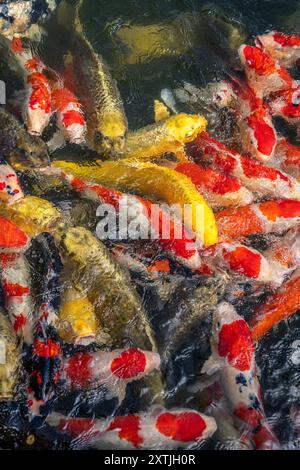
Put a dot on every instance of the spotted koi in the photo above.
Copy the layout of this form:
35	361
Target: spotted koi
157	429
288	157
260	179
10	188
233	359
284	48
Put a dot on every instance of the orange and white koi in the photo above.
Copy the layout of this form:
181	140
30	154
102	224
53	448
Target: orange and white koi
265	217
70	117
258	135
37	107
284	48
220	190
232	361
288	157
179	242
10	188
264	75
16	279
157	429
260	179
277	307
114	369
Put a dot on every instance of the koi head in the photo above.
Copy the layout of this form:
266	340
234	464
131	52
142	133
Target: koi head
287	105
262	136
283	47
256	59
30	151
223	94
110	136
10	188
232	338
185	128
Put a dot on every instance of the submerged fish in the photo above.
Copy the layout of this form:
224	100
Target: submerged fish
285	48
9	358
232	360
18	16
161	112
157	429
117	305
20	149
168	136
10	188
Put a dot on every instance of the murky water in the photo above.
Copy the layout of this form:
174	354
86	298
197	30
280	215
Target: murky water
151	45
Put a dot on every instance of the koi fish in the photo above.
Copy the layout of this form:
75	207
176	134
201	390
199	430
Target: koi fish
265	217
179	242
288	157
10	352
286	105
284	48
114	369
10	188
70	117
278	306
157	429
260	179
258	135
264	75
19	148
37	106
220	190
19	16
232	360
241	260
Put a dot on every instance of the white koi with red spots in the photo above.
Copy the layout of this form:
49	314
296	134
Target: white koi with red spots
258	135
287	156
37	106
70	117
264	75
157	429
262	180
10	188
232	359
114	369
284	48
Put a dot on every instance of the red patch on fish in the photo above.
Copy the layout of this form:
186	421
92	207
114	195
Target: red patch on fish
11	236
130	363
129	427
62	97
16	45
253	168
19	322
184	427
236	344
46	350
250	416
78	369
14	290
258	60
162	266
33	64
263	133
75	427
288	208
243	261
2	186
208	179
286	40
73	117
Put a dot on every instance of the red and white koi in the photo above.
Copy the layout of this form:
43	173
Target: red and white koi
240	260
70	117
16	279
260	179
264	75
179	242
265	217
10	188
278	306
157	429
258	135
284	48
220	190
288	157
37	107
232	361
114	369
